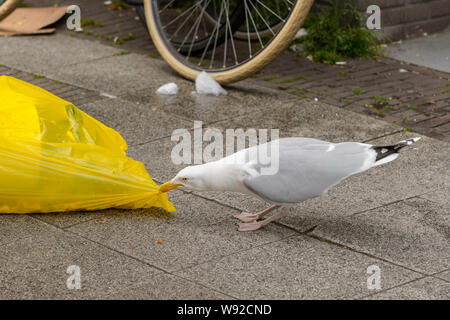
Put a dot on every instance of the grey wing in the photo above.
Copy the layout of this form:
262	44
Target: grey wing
309	169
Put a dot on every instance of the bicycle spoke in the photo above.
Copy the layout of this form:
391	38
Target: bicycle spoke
278	7
231	36
182	25
262	18
254	25
166	6
194	7
226	41
262	4
188	34
248	30
286	4
222	8
216	30
199	19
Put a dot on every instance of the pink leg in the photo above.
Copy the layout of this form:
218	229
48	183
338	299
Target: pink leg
255	225
251	217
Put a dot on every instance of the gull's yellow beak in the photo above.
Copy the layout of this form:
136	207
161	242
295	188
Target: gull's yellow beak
168	186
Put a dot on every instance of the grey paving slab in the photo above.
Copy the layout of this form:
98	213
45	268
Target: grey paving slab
166	287
296	268
413	233
307	118
117	75
191	210
215	214
135	122
190	236
443	275
14	227
441	196
35	267
67	219
208	109
39	54
301	217
251	86
430	51
428	288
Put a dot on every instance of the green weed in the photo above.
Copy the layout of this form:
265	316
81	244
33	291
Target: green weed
338	32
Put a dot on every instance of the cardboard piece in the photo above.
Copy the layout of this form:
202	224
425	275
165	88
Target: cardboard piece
31	20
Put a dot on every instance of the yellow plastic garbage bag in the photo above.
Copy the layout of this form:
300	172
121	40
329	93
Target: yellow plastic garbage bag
54	157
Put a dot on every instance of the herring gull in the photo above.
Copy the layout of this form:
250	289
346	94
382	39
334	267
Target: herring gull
306	168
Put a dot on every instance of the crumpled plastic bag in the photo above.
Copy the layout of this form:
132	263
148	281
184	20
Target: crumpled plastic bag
54	157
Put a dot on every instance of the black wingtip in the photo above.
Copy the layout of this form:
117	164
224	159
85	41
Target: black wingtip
383	152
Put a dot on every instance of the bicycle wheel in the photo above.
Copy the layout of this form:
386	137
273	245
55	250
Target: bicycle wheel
174	23
7	6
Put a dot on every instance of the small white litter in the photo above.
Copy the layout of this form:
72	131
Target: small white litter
300	33
107	3
204	84
341	63
402	70
168	89
104	94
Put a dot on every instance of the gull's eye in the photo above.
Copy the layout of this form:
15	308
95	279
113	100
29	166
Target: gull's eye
184	179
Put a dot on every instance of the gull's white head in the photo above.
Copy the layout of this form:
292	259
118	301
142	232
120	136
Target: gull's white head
193	178
211	176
